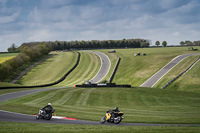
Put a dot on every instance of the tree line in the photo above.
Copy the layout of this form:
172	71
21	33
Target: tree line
27	54
94	44
190	43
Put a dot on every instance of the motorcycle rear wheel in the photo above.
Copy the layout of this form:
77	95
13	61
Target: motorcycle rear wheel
49	117
117	120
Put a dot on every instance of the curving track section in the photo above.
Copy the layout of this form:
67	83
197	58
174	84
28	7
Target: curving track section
157	76
105	67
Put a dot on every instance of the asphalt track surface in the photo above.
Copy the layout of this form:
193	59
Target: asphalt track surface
105	67
157	76
17	117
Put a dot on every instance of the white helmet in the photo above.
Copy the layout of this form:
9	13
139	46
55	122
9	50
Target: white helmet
49	103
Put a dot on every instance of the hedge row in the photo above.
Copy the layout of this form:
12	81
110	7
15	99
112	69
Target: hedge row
26	55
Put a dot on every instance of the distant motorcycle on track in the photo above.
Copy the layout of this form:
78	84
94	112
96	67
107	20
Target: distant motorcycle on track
44	115
112	117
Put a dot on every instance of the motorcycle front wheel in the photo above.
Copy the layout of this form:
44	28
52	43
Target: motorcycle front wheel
37	117
103	120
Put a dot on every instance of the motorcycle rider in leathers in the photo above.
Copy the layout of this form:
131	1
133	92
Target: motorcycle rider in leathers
114	111
48	109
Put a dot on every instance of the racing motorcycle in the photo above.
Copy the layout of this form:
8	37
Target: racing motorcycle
43	115
116	119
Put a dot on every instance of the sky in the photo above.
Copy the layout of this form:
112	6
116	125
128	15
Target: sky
67	20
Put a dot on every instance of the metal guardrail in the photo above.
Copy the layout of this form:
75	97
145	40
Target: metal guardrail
165	86
50	84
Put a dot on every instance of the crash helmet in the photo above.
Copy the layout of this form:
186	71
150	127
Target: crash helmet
49	104
116	108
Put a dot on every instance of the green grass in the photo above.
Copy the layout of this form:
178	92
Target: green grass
190	81
88	67
50	70
4	57
136	70
140	105
52	128
4	84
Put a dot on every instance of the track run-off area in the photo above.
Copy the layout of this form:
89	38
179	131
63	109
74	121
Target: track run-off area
104	69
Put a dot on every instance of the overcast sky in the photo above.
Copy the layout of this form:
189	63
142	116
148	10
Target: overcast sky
66	20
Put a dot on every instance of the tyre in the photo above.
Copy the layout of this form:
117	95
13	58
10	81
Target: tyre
49	117
103	120
37	117
117	120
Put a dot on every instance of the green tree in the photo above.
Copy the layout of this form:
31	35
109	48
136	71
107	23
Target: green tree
13	49
144	44
164	43
157	43
182	43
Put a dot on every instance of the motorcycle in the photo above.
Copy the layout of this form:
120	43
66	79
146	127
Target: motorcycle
43	115
116	119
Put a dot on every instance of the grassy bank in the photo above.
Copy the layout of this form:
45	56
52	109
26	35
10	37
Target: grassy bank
190	81
88	67
52	128
139	104
50	70
136	70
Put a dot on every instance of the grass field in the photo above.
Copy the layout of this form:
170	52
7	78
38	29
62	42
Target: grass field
50	70
88	67
4	57
5	84
139	104
190	81
136	70
52	128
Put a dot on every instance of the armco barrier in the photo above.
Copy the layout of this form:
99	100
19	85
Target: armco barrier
113	74
180	74
50	84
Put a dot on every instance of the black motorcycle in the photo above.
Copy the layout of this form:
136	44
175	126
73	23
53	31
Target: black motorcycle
109	117
44	114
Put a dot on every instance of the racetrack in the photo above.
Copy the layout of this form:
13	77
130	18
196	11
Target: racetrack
17	117
157	76
105	67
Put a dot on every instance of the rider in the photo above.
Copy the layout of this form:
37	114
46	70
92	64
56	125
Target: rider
48	109
114	111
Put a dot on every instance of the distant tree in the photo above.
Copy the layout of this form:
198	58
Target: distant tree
164	43
196	43
13	49
157	43
188	43
182	43
144	44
